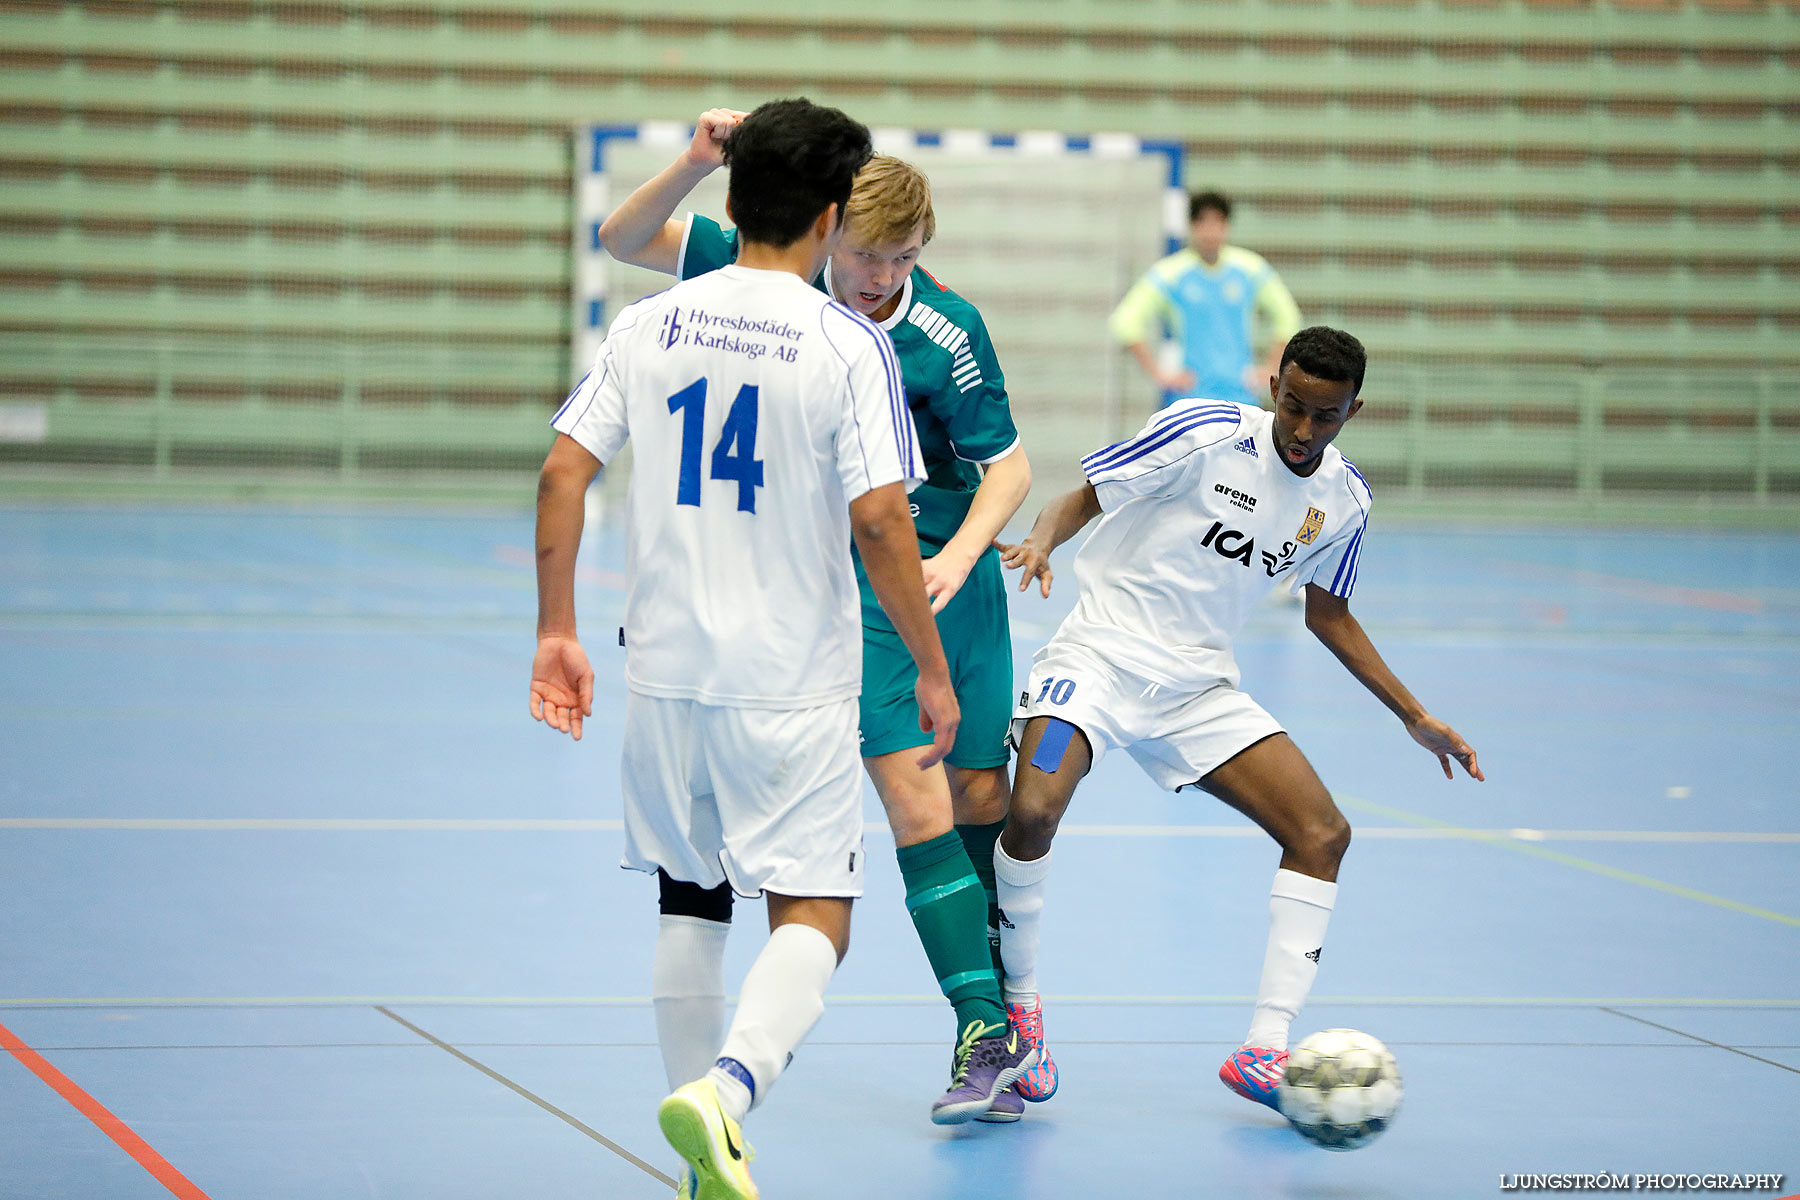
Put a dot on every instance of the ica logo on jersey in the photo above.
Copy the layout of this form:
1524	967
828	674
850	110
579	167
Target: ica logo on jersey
1234	544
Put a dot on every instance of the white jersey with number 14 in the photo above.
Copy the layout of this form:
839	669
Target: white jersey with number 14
758	409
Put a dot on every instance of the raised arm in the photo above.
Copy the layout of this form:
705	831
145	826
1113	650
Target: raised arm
1061	519
562	682
1330	620
640	231
885	538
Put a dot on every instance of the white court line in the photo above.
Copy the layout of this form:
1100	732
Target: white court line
902	1000
613	825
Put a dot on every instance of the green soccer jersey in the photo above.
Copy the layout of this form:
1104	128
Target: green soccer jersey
947	364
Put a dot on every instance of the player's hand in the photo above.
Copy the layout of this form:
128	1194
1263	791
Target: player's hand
1031	563
944	575
939	715
1183	381
1447	744
710	132
562	684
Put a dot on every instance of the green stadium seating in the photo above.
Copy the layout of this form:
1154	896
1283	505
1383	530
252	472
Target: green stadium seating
335	234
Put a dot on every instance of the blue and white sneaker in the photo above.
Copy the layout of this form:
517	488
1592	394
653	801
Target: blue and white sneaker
1255	1073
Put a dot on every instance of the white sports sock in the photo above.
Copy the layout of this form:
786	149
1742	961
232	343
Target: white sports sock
1020	886
1299	910
687	988
782	998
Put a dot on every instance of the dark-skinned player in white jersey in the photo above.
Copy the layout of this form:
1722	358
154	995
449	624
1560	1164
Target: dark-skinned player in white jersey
1203	512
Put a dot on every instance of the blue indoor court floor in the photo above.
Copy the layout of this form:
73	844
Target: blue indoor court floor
294	889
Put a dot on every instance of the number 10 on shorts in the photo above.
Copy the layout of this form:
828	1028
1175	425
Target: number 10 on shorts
1057	691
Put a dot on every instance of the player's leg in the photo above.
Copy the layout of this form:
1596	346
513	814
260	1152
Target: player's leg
944	895
978	801
948	907
672	831
787	801
780	1001
979	637
1272	783
1054	756
688	975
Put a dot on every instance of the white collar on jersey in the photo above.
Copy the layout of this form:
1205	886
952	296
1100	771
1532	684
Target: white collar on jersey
900	309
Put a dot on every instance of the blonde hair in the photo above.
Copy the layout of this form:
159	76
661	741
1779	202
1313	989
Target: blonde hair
889	199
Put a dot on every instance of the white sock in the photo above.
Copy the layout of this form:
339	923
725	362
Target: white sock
782	998
687	988
1020	886
1299	911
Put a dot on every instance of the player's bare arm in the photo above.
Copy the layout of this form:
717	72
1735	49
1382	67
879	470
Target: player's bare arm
641	231
1061	519
1004	486
1330	620
889	545
562	682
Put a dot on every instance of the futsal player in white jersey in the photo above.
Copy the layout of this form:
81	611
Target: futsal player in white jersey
1201	513
770	430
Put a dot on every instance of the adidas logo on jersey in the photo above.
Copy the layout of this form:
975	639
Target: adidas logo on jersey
1314	954
1248	446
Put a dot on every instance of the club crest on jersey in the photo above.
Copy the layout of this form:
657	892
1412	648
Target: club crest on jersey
1311	528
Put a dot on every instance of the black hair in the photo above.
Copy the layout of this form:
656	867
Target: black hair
1208	200
1327	353
790	159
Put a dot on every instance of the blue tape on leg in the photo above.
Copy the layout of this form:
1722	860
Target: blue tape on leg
1053	745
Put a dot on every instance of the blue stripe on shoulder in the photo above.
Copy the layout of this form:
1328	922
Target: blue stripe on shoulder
1161	434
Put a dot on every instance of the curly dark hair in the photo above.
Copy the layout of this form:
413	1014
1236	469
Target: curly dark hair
1327	353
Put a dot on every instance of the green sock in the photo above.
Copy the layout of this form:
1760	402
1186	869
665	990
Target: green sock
979	841
946	901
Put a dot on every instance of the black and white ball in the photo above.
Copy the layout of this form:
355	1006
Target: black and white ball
1342	1088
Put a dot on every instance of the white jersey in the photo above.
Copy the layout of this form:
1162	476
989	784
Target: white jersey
759	409
1201	519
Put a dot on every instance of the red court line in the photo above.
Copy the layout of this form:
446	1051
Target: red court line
96	1112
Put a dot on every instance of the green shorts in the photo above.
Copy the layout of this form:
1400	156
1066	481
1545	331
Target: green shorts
978	644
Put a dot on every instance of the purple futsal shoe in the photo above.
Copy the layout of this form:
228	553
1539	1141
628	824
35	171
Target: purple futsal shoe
988	1059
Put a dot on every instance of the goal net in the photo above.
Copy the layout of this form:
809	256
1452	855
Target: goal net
1040	231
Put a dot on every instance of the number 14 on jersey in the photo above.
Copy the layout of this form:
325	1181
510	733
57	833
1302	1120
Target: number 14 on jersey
733	459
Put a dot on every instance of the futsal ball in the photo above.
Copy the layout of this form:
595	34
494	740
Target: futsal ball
1341	1089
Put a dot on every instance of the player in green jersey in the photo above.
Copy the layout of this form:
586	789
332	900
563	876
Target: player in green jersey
945	819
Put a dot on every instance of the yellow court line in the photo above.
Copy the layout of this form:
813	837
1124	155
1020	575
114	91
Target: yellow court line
1569	860
877	1000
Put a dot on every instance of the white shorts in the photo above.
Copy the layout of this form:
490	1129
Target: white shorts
1178	737
765	799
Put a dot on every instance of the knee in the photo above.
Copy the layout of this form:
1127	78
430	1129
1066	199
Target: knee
1326	840
979	796
1030	828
